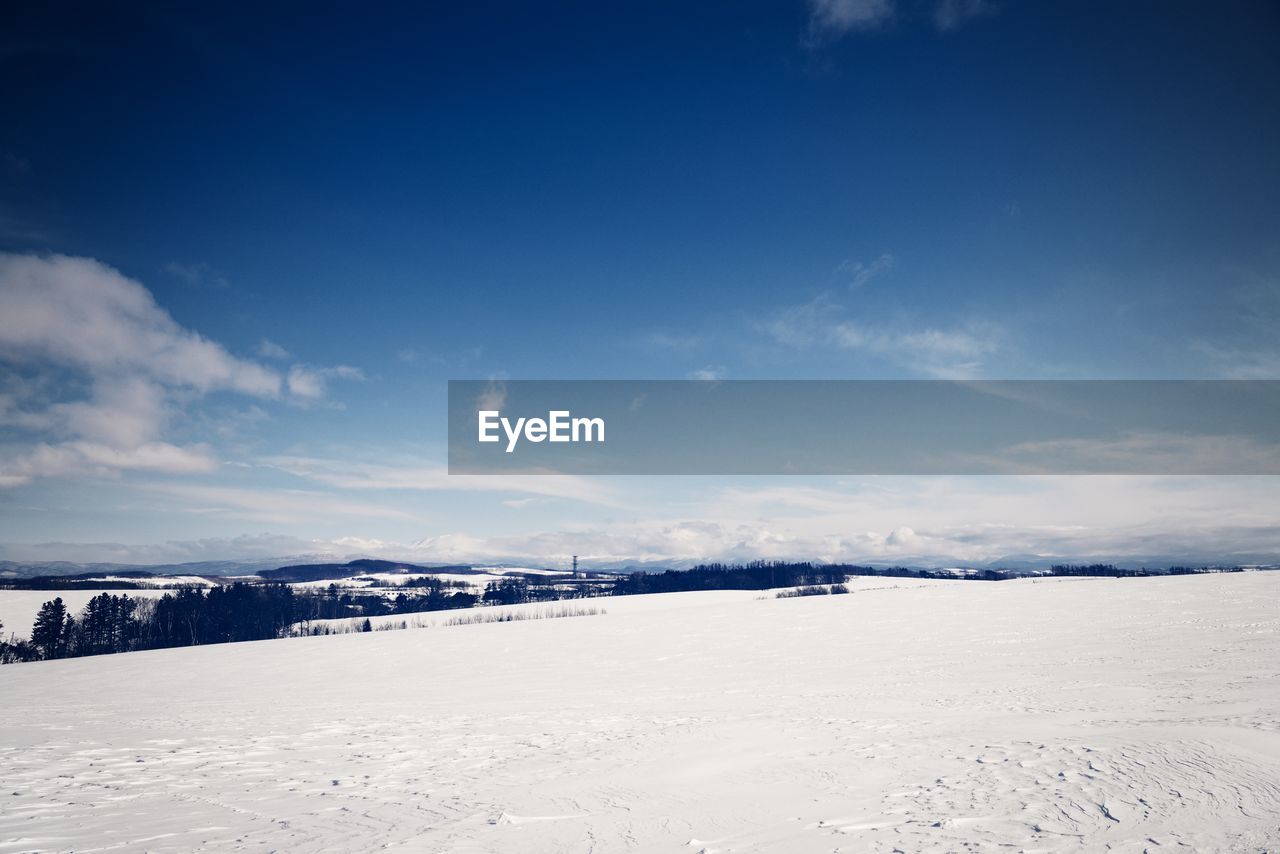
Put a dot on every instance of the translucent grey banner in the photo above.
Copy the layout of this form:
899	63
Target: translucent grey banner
820	427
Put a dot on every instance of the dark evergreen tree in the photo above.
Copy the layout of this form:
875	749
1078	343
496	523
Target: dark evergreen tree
509	591
49	633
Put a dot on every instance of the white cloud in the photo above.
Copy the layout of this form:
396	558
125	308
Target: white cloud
121	411
78	313
708	373
90	458
312	383
946	354
152	456
902	536
493	397
268	349
518	503
98	370
830	19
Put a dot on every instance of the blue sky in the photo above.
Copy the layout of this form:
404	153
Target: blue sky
293	225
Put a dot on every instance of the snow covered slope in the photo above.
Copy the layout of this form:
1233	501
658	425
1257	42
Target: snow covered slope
1071	714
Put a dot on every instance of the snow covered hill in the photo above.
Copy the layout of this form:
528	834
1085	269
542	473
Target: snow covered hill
1061	714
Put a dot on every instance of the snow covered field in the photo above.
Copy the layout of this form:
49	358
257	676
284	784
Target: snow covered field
1064	714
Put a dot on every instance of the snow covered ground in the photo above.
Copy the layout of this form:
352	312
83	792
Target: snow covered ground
1064	714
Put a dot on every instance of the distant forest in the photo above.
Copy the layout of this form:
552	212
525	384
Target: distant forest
244	611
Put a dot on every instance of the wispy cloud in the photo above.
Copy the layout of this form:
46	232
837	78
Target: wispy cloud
95	458
805	324
1238	363
1150	452
493	397
241	547
21	227
663	340
198	273
959	352
311	384
268	349
518	503
1245	346
276	506
831	19
861	273
423	476
708	373
455	360
950	14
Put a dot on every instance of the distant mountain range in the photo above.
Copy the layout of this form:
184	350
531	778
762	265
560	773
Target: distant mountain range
316	566
29	569
361	566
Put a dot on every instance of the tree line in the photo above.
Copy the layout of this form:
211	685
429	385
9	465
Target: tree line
764	575
241	611
186	616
